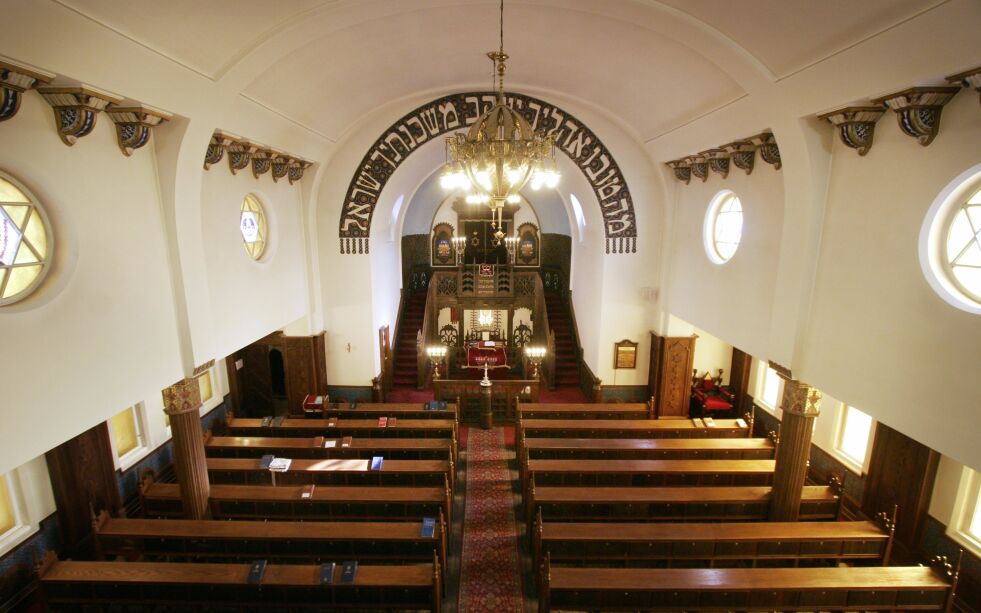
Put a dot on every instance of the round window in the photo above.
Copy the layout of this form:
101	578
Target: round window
723	227
950	242
252	225
25	241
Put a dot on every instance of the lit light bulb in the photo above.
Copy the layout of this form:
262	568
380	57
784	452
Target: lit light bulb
514	199
513	175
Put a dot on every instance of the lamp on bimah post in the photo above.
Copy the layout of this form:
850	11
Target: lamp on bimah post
486	412
436	354
535	355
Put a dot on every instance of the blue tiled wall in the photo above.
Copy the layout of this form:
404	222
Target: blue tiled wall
17	567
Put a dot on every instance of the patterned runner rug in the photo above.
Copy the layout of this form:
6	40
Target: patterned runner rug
490	571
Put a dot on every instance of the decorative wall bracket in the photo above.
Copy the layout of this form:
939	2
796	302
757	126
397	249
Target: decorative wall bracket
918	110
216	148
767	146
743	154
296	169
280	165
133	124
76	109
682	170
856	125
15	79
969	78
261	162
718	161
699	166
239	155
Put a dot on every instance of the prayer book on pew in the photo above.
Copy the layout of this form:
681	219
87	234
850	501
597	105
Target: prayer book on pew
428	527
330	443
332	422
266	460
327	573
256	571
346	441
709	422
266	421
278	422
376	462
352	404
698	423
382	422
349	571
307	491
435	405
741	423
280	465
393	421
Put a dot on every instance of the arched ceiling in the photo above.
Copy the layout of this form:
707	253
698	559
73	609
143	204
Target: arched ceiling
653	64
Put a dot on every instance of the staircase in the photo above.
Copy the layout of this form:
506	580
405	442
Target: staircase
413	309
566	359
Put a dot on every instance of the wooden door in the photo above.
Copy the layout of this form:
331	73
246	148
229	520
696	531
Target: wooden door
674	386
256	381
300	376
654	367
739	376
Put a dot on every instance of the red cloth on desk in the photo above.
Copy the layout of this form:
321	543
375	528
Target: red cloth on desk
494	357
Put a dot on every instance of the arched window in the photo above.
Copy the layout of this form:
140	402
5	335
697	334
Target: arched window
25	241
252	224
964	247
723	227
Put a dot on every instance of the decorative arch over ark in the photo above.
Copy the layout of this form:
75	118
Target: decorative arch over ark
456	112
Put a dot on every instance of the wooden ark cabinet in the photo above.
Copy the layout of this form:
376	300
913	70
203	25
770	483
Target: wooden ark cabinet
275	368
669	378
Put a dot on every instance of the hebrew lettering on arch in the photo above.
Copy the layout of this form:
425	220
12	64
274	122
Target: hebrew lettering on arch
592	174
368	182
619	226
431	121
574	148
448	109
376	155
413	122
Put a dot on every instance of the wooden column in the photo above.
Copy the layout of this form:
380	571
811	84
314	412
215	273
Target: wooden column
182	402
486	411
801	404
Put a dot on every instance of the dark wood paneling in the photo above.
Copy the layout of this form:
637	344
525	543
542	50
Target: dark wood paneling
83	478
739	376
654	366
901	472
256	380
674	379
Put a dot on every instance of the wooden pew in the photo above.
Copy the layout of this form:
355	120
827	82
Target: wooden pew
330	503
374	410
247	471
185	540
714	545
747	589
357	428
175	586
316	447
647	473
628	428
652	504
634	410
649	449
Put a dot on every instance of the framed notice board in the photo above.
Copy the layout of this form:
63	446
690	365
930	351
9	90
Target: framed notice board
625	354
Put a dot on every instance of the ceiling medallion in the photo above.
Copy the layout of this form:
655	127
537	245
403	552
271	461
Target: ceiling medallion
500	154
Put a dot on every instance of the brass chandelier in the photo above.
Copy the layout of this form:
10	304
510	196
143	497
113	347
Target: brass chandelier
500	154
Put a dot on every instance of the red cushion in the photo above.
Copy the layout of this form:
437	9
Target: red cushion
708	384
714	403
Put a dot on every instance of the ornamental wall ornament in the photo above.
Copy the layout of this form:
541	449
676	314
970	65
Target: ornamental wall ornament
216	148
261	162
743	154
239	155
133	124
682	170
969	78
766	143
15	79
280	165
718	161
458	111
855	125
699	166
76	109
918	110
296	169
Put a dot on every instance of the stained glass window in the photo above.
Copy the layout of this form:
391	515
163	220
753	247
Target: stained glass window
964	247
8	519
205	385
853	434
252	225
125	428
726	219
25	241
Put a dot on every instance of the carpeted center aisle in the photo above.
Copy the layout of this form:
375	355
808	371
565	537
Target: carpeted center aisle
490	570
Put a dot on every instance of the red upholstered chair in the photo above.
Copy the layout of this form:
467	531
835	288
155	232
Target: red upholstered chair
709	397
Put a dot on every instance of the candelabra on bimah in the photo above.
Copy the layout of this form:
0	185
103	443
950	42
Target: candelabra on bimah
535	355
460	247
436	354
511	243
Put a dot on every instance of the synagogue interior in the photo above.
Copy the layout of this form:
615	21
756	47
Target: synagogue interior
504	306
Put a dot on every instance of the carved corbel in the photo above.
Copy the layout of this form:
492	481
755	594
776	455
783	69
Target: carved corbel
766	144
855	125
216	148
682	170
239	155
699	166
296	169
76	109
133	124
15	79
918	110
261	162
970	78
280	165
743	154
718	161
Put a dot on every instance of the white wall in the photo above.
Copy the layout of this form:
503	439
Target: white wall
711	354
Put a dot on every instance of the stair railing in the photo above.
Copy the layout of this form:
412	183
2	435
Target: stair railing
542	333
425	336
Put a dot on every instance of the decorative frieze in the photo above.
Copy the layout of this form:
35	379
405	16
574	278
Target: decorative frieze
15	79
718	161
216	148
969	78
766	144
200	370
682	170
742	153
242	153
699	166
133	124
261	162
76	109
918	110
855	125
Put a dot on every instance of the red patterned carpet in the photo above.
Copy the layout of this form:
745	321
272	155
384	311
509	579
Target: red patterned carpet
490	571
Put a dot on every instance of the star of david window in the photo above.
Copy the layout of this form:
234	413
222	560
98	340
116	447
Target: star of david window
252	225
25	241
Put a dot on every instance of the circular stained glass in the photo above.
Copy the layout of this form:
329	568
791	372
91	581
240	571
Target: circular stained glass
25	241
252	225
723	227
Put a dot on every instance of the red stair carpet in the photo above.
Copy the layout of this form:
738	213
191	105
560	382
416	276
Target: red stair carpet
490	569
413	311
566	365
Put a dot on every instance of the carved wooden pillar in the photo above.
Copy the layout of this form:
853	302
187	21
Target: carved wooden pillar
182	402
486	410
801	404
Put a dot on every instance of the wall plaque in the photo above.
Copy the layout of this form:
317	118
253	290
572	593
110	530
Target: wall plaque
625	354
